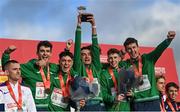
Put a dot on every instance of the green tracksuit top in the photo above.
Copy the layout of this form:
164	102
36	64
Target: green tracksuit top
95	65
150	92
31	77
109	93
55	103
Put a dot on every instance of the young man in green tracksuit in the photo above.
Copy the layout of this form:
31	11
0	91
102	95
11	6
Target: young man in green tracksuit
37	73
146	96
60	94
114	101
87	63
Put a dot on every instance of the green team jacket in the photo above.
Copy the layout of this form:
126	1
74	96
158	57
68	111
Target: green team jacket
148	61
109	98
31	75
56	84
78	64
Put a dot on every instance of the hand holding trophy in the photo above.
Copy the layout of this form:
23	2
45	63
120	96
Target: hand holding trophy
85	17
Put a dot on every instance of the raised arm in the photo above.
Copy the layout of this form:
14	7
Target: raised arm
95	46
6	54
93	24
77	47
155	54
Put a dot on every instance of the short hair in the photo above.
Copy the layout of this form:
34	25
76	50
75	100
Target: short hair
89	47
6	65
86	47
66	53
44	43
171	84
130	40
160	77
113	51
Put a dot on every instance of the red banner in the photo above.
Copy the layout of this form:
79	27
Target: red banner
26	49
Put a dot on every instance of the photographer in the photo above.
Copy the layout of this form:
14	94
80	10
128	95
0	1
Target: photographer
114	98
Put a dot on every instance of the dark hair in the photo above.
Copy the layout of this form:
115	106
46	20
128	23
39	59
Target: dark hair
130	40
160	77
171	84
113	51
86	47
66	53
44	43
89	48
6	65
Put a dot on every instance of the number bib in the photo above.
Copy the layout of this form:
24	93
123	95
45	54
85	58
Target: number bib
12	107
40	91
57	98
145	86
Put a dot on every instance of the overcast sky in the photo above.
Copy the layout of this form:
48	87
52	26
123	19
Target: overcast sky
55	20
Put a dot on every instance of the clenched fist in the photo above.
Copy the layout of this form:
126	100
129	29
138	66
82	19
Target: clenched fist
69	44
171	34
10	49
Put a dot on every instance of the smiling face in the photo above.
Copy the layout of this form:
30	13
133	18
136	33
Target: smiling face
114	60
172	93
44	53
86	56
66	63
133	50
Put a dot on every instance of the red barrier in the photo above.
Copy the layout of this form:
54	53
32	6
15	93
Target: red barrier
26	49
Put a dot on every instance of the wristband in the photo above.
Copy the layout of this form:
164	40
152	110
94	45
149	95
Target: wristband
93	26
79	24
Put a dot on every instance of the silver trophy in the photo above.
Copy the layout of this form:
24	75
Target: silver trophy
82	11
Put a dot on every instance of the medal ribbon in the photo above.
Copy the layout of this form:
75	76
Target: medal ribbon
171	106
113	78
137	71
162	105
45	81
90	75
64	87
19	102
